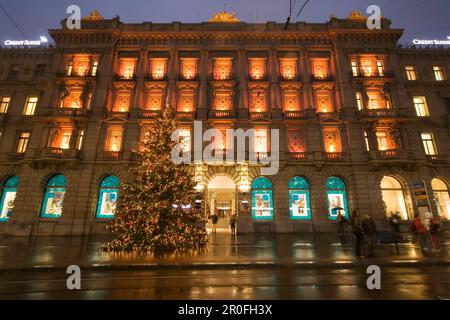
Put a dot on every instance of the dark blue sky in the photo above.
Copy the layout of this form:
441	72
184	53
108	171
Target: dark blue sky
420	18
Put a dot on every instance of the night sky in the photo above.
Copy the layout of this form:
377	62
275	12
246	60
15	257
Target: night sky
424	19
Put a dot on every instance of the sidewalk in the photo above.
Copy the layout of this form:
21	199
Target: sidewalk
223	252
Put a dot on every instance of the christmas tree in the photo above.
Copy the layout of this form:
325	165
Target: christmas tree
156	209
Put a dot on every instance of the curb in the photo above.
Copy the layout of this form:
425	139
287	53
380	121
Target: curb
231	266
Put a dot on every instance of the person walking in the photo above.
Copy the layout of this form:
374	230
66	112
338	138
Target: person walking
435	225
395	222
357	231
371	233
233	224
341	232
419	230
215	219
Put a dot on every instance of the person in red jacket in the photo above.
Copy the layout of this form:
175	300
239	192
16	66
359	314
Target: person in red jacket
419	229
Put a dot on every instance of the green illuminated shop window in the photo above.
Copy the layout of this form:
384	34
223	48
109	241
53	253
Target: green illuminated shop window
299	200
8	196
262	199
107	198
54	197
337	198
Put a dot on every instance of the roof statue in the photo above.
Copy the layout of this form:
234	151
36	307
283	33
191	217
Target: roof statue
356	15
94	15
224	17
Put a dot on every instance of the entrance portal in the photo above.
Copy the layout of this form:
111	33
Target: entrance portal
222	201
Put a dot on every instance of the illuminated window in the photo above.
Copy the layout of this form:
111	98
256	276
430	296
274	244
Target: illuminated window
65	139
441	197
69	68
262	199
8	197
367	68
420	104
439	73
261	140
288	68
336	198
382	140
114	139
291	101
22	143
80	139
375	100
380	68
355	72
4	104
189	67
186	101
72	98
296	140
107	197
223	68
332	140
258	101
55	190
359	102
411	73
154	100
429	143
366	140
299	200
127	68
257	68
223	100
320	68
158	68
94	68
393	196
30	105
122	102
324	102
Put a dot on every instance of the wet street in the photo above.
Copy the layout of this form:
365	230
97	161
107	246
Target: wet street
256	267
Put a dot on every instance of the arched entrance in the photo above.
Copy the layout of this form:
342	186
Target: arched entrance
393	195
222	200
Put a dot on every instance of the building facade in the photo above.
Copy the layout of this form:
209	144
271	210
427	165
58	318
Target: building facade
363	123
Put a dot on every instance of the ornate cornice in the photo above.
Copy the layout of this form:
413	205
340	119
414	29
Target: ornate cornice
322	85
258	85
187	85
123	85
291	85
162	85
223	84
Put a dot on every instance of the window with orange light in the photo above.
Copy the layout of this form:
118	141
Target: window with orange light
73	99
261	140
324	101
114	139
122	103
186	101
257	68
223	100
154	100
290	101
385	139
223	68
62	139
189	67
158	68
320	68
288	68
296	140
332	140
368	67
127	68
258	101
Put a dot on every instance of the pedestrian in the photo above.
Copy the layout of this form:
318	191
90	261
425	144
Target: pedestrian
371	233
357	231
419	230
395	222
341	231
233	224
435	225
215	219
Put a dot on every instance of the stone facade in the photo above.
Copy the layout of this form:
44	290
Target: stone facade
338	92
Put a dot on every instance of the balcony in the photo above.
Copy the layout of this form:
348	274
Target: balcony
222	77
185	115
15	156
252	77
333	156
111	155
65	112
151	78
149	114
294	115
57	153
222	114
118	115
260	116
394	154
373	75
378	113
328	115
120	78
438	158
297	155
87	75
322	78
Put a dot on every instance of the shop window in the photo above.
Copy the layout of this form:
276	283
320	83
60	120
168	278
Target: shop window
337	198
441	197
393	197
262	199
107	197
8	196
55	190
299	199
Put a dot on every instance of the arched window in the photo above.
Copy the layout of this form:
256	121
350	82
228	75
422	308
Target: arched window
107	197
54	197
337	198
8	195
441	197
393	197
299	201
262	199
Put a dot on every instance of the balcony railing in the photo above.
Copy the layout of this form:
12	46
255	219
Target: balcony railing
222	114
57	153
327	115
393	154
121	77
182	77
382	112
334	156
111	155
255	116
327	77
118	115
301	114
219	77
76	74
252	77
151	77
374	74
65	112
149	114
15	156
185	115
297	155
438	158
